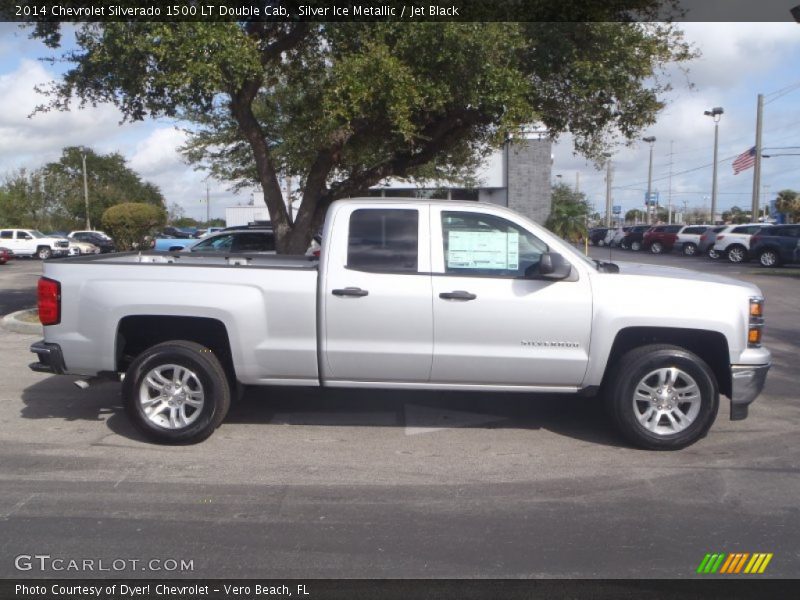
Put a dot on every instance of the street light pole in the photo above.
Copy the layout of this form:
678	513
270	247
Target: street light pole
715	113
86	191
650	139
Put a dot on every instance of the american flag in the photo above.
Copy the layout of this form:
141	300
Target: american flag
744	161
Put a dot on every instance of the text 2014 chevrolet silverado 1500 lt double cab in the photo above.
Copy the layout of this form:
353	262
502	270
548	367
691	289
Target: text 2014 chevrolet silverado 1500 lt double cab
411	295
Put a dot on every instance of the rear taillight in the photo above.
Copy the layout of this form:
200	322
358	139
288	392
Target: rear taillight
49	295
719	237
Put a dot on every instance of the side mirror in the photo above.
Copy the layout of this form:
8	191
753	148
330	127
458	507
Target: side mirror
553	266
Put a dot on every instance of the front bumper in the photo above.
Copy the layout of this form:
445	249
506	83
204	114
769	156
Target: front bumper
51	359
747	381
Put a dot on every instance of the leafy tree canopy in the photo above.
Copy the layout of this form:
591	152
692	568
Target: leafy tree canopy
130	222
340	107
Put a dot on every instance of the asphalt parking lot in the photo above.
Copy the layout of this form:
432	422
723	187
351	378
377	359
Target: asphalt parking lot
300	483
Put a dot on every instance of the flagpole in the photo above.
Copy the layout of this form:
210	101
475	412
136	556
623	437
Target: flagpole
757	164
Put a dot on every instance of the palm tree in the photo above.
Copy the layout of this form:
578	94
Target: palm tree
568	213
788	203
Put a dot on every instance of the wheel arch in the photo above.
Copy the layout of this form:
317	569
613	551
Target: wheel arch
711	346
137	333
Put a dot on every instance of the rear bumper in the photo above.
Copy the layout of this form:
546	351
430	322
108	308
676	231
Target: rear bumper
747	383
51	360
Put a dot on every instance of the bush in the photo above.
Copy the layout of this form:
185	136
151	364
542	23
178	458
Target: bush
131	222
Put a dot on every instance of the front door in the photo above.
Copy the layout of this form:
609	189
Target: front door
378	323
494	322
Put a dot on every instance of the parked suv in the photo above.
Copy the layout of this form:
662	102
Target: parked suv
775	245
597	236
689	239
634	239
29	242
707	240
734	241
661	238
236	241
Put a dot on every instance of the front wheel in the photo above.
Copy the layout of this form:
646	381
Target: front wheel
44	253
636	246
176	392
657	248
662	397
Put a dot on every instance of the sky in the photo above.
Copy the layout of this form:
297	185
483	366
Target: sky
738	61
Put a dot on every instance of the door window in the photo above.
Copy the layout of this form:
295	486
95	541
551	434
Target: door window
254	241
220	243
486	245
384	240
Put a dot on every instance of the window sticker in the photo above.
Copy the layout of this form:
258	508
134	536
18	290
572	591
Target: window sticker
483	250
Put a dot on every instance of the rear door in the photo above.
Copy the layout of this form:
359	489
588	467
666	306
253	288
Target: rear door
376	295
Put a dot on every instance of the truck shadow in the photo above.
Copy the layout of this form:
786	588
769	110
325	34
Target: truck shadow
571	416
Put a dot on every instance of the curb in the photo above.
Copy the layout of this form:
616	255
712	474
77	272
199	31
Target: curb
12	322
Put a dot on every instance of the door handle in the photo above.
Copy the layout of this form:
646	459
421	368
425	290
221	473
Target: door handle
350	291
457	295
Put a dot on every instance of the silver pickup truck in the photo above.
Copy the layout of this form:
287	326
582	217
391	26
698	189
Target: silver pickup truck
414	295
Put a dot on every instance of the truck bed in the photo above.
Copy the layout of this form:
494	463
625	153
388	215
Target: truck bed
200	259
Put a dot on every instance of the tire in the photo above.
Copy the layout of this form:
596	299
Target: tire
43	252
689	249
601	243
737	254
713	254
623	245
657	248
640	410
194	409
769	259
636	246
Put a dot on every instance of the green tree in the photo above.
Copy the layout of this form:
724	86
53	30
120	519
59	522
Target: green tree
788	203
110	181
340	107
635	216
24	200
130	222
568	213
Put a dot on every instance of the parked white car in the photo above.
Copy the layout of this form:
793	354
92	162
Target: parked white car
689	239
734	241
77	248
30	242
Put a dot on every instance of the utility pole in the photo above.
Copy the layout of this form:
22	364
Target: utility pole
716	114
608	193
757	164
86	191
649	140
208	205
669	189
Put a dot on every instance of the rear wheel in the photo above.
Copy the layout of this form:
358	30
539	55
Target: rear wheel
662	397
769	258
44	252
657	248
690	249
713	254
176	392
737	254
636	246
